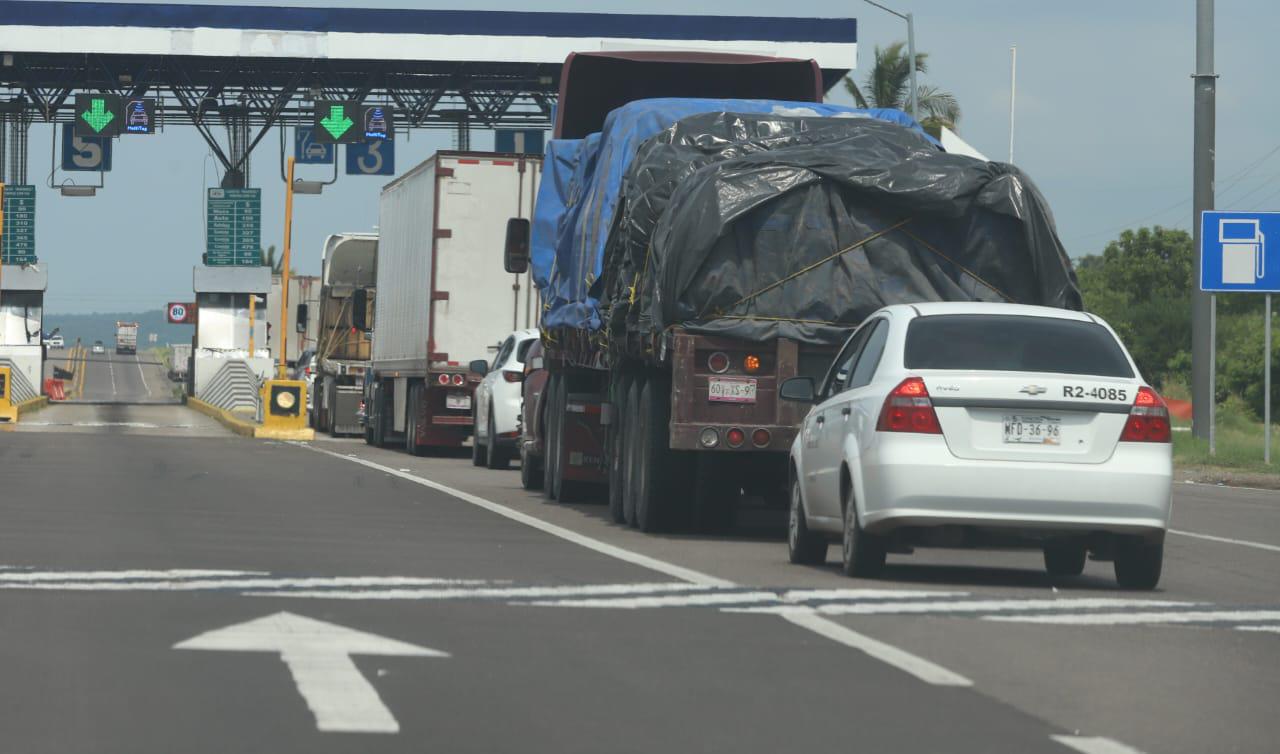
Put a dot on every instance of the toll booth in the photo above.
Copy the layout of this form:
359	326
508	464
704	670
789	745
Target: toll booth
22	290
232	352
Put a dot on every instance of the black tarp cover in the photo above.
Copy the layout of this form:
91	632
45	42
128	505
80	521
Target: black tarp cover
761	226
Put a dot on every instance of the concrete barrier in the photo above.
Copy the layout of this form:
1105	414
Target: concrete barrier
247	427
31	406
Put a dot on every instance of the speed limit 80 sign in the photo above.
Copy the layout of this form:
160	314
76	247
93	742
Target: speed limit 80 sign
181	313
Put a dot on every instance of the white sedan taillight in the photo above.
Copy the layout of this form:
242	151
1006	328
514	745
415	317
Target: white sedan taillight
908	409
1148	419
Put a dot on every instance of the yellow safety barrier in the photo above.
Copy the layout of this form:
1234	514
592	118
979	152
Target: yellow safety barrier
8	411
284	411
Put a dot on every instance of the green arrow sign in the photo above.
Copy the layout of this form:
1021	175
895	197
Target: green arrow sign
98	116
337	123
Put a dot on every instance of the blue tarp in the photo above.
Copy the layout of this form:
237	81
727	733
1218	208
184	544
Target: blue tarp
581	182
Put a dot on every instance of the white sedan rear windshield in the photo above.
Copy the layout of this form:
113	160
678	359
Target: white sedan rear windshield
1011	343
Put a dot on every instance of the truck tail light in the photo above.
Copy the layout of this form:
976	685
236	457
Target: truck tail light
443	379
908	409
718	362
459	380
510	376
735	437
1148	419
709	438
751	364
760	438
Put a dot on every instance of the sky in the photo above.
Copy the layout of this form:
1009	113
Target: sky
1103	127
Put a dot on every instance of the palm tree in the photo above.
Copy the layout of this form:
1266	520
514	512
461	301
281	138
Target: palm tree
277	265
888	84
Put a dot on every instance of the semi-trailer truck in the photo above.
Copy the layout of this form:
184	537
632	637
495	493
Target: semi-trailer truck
126	337
693	253
441	300
343	344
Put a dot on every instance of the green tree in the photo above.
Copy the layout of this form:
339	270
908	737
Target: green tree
1141	285
888	84
269	259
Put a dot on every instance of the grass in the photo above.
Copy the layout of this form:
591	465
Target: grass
1238	438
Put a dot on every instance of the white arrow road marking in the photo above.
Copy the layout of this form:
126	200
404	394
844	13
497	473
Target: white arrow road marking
319	658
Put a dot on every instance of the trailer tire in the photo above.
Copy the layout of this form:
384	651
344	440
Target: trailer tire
618	450
530	469
656	463
631	451
715	493
499	457
379	415
550	448
411	445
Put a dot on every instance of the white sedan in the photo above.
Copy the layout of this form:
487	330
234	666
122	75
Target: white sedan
496	414
967	424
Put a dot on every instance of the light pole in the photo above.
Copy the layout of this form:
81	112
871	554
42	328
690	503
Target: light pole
1203	305
911	47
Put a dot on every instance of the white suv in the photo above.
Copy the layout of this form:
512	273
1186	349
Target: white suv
972	424
496	415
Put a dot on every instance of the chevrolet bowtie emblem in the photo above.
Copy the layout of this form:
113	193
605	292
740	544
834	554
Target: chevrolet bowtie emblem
1033	390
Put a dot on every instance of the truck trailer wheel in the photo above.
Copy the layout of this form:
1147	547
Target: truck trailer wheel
530	469
380	416
631	451
411	445
656	465
550	448
617	449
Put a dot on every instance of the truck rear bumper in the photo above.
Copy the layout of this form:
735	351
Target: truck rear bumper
686	436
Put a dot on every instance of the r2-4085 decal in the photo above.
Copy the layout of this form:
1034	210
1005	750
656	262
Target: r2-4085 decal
1097	393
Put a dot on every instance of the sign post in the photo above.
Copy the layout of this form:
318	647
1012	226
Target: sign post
1234	259
284	274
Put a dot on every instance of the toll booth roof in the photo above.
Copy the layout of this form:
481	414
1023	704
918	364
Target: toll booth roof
361	33
27	277
231	279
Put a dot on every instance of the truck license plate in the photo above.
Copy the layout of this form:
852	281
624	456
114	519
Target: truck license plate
728	390
460	401
1033	430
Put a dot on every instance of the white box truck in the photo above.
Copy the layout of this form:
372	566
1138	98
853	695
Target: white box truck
349	267
126	337
442	298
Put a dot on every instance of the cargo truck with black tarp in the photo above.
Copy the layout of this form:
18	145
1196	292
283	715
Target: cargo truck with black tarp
694	251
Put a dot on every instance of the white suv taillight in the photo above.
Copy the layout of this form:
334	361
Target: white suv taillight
908	409
1148	419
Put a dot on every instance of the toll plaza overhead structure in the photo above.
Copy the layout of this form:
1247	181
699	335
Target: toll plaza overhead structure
251	67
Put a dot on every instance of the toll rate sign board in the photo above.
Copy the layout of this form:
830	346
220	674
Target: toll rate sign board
233	227
18	244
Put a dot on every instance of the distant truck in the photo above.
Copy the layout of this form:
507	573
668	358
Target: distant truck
441	301
343	346
179	361
127	337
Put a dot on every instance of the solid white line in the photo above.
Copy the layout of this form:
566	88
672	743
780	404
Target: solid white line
513	593
1226	540
196	585
613	551
145	386
1095	745
111	367
676	600
818	595
1131	619
8	575
984	606
1266	629
886	653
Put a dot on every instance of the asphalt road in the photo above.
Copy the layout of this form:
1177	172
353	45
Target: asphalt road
125	378
175	588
